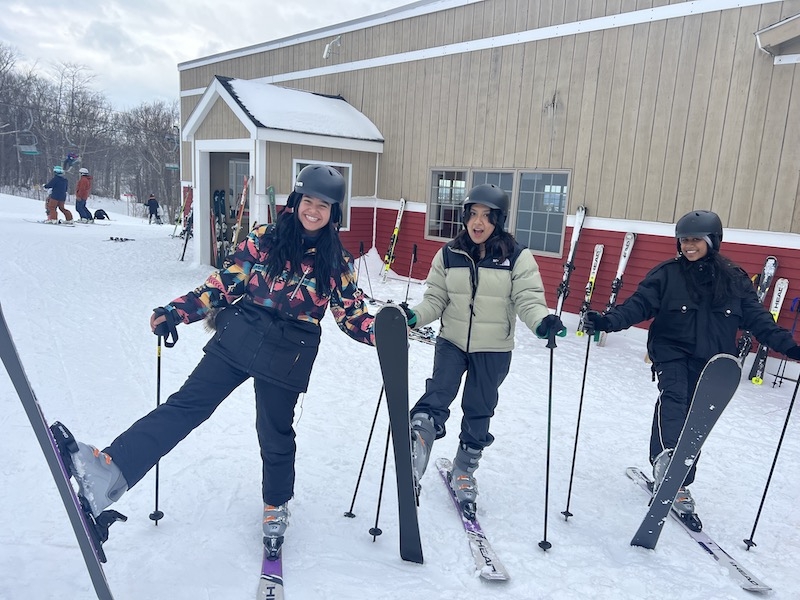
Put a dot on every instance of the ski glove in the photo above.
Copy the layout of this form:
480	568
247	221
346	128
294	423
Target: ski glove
548	324
793	353
595	321
411	316
168	327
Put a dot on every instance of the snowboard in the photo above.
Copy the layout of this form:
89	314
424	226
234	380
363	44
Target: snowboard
715	388
90	532
391	340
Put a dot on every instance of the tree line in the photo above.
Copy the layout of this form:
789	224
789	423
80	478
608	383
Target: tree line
55	117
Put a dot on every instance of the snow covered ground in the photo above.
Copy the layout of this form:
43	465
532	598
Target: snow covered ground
78	306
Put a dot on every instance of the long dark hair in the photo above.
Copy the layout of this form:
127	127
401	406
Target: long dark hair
288	245
500	244
726	279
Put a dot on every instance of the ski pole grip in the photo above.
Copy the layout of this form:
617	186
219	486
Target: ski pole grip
551	338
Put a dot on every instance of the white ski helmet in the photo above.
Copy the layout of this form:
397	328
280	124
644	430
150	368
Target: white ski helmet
83	171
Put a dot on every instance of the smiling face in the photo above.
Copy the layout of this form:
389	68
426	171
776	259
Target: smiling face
313	214
693	248
479	227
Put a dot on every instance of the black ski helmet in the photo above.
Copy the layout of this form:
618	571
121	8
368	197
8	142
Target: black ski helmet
489	195
321	182
702	224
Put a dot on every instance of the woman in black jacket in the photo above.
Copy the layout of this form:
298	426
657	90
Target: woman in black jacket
698	301
266	303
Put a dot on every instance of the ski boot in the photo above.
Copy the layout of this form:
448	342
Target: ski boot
683	504
423	434
462	479
276	518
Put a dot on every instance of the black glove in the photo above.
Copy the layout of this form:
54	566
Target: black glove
551	323
169	327
595	321
793	353
411	316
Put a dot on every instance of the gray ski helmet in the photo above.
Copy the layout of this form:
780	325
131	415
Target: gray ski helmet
702	224
489	195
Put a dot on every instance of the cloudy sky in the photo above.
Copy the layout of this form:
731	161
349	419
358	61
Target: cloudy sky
133	48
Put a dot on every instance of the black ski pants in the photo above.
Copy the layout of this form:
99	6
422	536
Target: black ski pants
677	380
485	372
139	448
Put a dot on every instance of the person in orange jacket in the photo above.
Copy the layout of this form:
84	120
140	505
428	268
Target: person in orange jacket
82	194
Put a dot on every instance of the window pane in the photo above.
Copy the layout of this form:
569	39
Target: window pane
448	189
540	210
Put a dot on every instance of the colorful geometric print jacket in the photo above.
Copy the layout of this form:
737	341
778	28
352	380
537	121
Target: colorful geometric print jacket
288	296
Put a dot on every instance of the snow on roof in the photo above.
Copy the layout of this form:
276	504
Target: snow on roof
275	107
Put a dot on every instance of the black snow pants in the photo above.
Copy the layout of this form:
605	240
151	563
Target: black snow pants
139	448
485	372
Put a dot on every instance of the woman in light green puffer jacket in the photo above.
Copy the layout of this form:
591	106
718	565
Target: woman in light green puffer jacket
477	285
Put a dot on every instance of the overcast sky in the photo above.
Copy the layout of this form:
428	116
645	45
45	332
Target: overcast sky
133	47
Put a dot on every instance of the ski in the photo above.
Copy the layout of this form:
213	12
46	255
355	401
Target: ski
760	363
715	388
763	282
90	532
392	345
743	577
780	374
388	258
273	210
616	285
587	297
563	288
270	586
426	335
237	228
44	222
487	565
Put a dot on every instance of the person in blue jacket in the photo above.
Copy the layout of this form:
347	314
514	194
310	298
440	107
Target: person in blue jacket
698	301
266	303
58	195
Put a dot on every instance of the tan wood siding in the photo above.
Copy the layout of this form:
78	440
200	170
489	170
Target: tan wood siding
221	124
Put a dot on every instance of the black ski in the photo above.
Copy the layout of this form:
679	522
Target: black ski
563	288
763	281
90	532
715	388
392	343
743	577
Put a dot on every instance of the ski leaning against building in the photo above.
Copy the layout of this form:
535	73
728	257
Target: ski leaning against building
698	301
477	285
266	304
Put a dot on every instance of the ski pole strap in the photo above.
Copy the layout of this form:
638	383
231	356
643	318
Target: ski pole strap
169	328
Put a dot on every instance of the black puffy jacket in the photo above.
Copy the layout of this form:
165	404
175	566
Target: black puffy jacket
687	325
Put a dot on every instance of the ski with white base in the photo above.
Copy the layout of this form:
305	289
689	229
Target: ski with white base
586	305
616	285
487	565
762	282
743	577
563	288
44	222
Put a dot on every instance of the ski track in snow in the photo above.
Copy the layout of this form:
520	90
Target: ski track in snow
78	307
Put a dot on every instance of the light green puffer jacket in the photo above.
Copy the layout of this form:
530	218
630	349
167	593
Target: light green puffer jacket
496	293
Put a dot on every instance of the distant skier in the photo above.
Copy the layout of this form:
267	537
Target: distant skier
82	191
58	195
271	295
152	205
698	301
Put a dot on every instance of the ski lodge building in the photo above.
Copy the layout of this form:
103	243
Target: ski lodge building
639	110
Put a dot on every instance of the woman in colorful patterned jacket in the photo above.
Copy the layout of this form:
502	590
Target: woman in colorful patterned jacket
266	301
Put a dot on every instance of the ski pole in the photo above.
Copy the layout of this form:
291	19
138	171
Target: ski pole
350	513
410	267
551	344
376	531
366	270
749	543
781	371
157	514
566	512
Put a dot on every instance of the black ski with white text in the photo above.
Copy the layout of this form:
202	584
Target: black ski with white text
715	388
487	564
90	531
743	577
392	344
762	282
